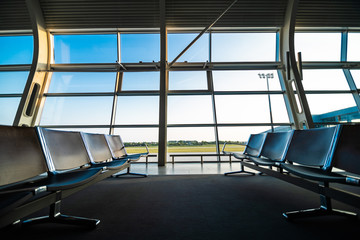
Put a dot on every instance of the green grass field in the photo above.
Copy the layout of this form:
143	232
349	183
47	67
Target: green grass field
187	149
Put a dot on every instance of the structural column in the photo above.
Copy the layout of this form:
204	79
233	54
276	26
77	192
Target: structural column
32	101
291	72
162	149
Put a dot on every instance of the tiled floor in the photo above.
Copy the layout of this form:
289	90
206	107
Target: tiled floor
185	168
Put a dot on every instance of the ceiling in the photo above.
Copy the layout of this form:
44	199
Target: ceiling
135	14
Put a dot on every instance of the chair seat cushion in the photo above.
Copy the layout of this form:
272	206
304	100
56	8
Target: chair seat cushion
240	155
113	165
134	157
263	161
313	173
71	179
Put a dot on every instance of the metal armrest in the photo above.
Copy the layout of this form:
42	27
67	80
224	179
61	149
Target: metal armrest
147	149
223	148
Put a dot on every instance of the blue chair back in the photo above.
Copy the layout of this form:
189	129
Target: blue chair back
312	147
21	156
275	145
346	155
255	143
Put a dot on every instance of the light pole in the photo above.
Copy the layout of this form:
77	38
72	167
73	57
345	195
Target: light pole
267	76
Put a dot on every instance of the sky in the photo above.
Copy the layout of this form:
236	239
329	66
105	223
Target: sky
226	47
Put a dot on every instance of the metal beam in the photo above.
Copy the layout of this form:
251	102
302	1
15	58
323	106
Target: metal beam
162	147
201	33
32	99
216	130
291	79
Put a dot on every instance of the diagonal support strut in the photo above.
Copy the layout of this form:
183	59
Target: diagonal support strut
202	32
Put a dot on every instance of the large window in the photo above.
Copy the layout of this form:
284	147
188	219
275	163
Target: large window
228	98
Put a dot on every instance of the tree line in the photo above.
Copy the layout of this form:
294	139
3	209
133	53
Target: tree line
181	143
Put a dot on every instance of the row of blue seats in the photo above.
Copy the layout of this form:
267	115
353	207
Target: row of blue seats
322	155
40	166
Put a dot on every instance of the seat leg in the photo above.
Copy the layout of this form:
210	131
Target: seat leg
129	173
324	210
56	217
242	170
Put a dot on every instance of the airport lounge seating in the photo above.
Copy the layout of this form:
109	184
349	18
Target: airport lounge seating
313	159
38	168
274	148
252	148
118	151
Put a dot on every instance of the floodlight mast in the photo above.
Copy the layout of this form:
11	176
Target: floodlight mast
267	76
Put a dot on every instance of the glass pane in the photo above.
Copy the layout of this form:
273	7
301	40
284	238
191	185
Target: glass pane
325	106
13	82
189	109
245	80
242	109
134	139
137	110
356	76
198	52
278	108
192	80
77	110
191	140
85	48
135	81
230	47
353	53
16	49
238	135
138	135
329	79
8	109
318	46
140	47
72	82
86	130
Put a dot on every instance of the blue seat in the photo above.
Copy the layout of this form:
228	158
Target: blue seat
27	175
21	161
252	148
118	151
100	153
273	150
311	155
